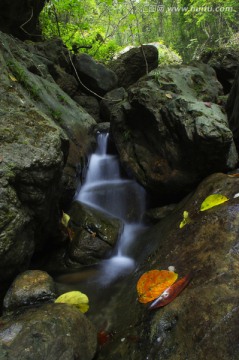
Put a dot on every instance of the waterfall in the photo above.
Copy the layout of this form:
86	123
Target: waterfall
105	189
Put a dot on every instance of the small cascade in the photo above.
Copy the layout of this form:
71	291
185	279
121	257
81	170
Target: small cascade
106	190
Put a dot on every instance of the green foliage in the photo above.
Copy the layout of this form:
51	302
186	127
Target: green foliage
168	56
102	27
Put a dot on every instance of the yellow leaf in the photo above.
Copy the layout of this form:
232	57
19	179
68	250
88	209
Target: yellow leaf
75	298
65	219
213	200
153	283
186	219
12	77
169	96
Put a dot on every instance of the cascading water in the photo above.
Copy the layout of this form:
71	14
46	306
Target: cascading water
106	190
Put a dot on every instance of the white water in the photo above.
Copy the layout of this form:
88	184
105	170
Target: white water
106	190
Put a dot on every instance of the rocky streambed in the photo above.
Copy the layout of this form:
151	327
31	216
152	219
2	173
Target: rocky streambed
172	134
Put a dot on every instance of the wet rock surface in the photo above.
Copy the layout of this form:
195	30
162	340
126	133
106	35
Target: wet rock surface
171	133
95	234
202	321
30	288
33	326
51	331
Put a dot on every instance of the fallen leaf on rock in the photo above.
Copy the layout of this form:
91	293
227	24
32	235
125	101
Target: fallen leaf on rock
75	298
152	283
233	175
65	219
186	219
169	96
171	292
12	77
104	337
213	200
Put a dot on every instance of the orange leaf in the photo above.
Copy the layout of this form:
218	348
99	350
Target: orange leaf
233	175
153	283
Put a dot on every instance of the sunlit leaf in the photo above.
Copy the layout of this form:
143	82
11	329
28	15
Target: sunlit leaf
186	219
213	200
75	298
152	283
65	219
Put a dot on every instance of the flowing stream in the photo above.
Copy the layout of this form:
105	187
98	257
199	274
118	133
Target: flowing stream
105	189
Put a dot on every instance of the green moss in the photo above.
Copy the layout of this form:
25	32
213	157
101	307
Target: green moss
21	76
126	135
56	114
62	99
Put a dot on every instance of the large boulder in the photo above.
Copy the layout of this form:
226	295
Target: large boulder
171	133
45	74
202	322
135	63
31	167
44	139
20	19
233	110
225	62
94	76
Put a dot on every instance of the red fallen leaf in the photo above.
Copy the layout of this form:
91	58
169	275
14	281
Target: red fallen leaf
104	337
171	292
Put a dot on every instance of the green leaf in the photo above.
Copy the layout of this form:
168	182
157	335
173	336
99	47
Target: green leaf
186	219
65	219
213	200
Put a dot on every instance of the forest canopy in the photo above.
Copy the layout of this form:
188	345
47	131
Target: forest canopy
102	28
